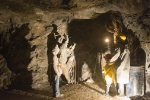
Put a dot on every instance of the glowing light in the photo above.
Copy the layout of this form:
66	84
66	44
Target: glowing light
106	40
123	37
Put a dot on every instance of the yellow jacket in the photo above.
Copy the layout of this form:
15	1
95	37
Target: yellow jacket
109	73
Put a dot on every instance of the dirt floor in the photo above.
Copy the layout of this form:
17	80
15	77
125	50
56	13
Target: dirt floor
82	91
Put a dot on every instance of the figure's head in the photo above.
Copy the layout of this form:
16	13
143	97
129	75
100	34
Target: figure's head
61	39
108	57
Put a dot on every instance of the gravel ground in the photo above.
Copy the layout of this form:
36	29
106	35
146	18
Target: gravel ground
83	91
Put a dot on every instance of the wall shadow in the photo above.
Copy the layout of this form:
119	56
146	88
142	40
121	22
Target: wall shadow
51	42
16	50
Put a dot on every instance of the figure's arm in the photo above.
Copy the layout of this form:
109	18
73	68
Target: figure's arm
123	54
65	44
67	40
116	56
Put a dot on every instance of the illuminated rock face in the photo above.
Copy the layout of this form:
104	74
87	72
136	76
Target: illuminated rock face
26	28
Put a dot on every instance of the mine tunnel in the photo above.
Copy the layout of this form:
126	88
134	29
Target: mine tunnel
90	35
98	40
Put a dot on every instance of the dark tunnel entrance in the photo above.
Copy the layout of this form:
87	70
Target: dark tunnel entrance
90	35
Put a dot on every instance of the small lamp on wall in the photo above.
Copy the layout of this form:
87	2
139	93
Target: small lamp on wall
106	40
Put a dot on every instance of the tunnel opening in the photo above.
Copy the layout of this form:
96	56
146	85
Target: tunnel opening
90	35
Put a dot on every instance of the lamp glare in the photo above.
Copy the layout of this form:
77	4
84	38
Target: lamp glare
107	40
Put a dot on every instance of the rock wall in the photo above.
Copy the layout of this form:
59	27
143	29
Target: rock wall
37	37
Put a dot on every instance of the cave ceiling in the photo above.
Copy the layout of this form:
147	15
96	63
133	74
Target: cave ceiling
14	13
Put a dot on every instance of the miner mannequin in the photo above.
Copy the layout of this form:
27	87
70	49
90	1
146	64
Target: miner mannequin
64	57
57	72
123	70
109	71
63	41
71	62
